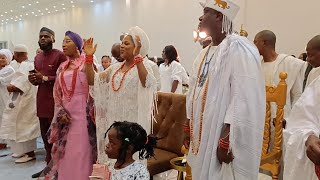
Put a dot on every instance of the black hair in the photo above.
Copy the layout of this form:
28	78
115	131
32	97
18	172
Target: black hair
304	56
132	134
171	53
105	56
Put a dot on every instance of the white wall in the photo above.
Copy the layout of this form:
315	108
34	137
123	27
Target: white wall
170	22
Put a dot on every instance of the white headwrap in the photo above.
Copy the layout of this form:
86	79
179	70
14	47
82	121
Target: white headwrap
7	53
229	10
145	43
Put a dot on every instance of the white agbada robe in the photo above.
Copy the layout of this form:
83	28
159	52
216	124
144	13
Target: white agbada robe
20	125
314	73
170	73
294	68
5	78
304	120
236	96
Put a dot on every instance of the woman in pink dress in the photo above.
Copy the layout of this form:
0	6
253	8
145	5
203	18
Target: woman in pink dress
71	129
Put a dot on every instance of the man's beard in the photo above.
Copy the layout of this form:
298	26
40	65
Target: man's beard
46	47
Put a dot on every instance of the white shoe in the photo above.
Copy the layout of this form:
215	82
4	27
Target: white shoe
14	155
25	159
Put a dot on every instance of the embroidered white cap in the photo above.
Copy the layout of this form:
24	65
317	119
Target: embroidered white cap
226	7
20	48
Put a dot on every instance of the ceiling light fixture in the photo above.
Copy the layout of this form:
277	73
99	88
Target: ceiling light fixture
46	9
91	1
62	4
11	10
32	12
54	6
29	4
27	14
6	12
64	8
37	2
39	10
71	2
73	6
23	7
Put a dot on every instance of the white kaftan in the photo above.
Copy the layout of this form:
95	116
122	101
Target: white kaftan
20	125
170	73
294	68
304	120
132	102
236	96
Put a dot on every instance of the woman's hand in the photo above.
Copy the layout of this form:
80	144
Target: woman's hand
88	48
137	48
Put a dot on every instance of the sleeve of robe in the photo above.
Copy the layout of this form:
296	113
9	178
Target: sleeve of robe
176	72
156	73
304	120
21	81
246	110
296	90
6	75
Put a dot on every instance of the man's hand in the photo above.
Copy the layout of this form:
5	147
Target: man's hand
313	149
35	78
224	156
12	88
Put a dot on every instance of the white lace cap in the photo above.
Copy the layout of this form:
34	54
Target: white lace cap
145	43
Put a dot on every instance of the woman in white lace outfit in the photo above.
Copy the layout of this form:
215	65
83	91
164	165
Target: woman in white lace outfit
124	91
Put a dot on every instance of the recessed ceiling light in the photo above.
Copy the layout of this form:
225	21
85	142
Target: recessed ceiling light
23	7
20	19
71	2
15	20
46	9
41	13
48	12
6	22
29	4
32	12
6	12
54	6
35	15
91	1
11	18
7	19
37	2
64	8
27	14
62	4
11	10
56	10
73	6
39	10
1	15
20	15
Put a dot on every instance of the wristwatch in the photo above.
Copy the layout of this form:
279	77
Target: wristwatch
45	78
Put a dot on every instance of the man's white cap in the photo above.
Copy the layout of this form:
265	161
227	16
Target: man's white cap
20	48
228	8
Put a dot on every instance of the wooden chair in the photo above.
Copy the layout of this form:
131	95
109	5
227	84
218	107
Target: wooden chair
271	158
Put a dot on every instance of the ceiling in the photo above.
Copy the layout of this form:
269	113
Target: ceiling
12	11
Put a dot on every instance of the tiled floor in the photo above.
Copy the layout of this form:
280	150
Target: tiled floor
9	170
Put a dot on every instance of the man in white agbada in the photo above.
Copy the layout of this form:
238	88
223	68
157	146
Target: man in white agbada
312	66
6	73
20	125
273	64
301	136
303	128
226	101
124	91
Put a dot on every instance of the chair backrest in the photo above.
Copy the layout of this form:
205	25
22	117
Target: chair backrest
170	117
278	96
